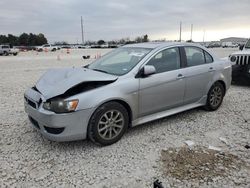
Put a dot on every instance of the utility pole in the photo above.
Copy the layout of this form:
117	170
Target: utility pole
180	30
191	38
82	31
204	36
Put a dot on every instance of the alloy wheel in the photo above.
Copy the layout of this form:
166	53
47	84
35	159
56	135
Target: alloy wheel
110	124
216	96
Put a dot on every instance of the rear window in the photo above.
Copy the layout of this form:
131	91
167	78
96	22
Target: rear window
4	47
208	57
195	56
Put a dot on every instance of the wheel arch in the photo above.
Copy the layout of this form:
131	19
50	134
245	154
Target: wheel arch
223	84
120	101
128	108
92	130
123	103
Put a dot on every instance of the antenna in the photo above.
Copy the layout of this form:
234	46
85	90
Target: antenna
82	31
180	30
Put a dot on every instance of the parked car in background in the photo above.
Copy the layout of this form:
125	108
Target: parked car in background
57	47
6	50
26	48
105	45
66	46
129	86
214	45
14	51
241	64
47	48
229	45
79	46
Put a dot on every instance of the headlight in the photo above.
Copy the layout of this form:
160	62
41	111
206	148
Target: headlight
61	106
233	58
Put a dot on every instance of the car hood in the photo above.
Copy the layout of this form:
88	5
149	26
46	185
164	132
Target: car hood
56	82
243	52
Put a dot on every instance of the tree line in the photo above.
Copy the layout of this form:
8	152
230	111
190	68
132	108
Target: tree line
39	39
127	40
24	39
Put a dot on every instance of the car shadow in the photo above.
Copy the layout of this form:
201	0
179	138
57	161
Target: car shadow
162	121
132	131
241	82
87	145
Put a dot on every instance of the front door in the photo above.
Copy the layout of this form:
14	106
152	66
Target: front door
164	89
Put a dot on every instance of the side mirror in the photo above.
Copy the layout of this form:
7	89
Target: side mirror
241	47
148	70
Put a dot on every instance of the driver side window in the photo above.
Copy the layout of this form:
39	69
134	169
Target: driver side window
166	60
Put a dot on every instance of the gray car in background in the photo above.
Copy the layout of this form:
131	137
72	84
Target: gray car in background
129	86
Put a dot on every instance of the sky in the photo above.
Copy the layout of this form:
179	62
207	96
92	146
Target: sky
59	20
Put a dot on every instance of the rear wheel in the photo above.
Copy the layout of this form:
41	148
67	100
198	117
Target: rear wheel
108	124
215	97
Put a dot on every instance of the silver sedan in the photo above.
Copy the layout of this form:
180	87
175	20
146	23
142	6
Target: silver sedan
129	86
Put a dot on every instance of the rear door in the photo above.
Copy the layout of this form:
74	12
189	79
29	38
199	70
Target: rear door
199	73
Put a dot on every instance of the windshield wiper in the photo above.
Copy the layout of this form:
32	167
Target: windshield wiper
100	70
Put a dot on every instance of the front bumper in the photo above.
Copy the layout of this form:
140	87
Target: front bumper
241	74
57	127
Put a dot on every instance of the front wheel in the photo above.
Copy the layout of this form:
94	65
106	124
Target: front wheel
108	124
215	97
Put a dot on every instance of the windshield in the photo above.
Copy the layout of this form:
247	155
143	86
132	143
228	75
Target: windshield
119	61
247	44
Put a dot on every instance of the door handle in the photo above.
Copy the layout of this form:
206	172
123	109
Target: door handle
180	76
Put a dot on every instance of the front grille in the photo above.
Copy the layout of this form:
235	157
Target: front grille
31	103
34	122
242	59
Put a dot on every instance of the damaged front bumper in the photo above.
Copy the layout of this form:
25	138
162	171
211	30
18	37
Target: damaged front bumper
56	127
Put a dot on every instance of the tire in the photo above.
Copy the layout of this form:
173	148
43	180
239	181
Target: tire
108	124
5	53
215	97
14	54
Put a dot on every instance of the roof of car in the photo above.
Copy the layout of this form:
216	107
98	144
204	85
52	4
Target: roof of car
154	45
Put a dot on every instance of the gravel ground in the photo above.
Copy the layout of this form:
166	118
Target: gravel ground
29	160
